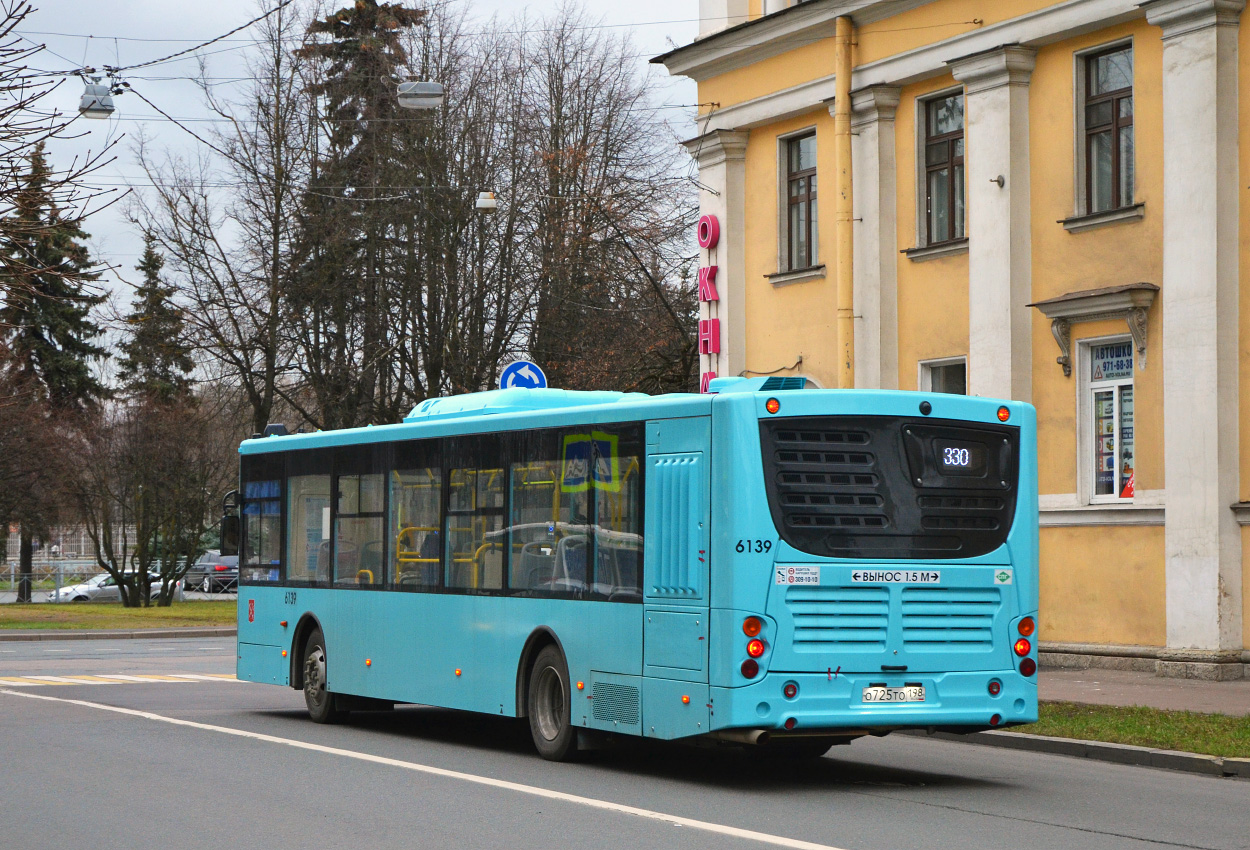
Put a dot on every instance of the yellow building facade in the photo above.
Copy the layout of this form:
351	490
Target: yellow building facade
1047	206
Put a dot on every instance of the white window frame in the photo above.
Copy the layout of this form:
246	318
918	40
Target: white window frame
1085	419
783	200
1080	163
921	125
924	375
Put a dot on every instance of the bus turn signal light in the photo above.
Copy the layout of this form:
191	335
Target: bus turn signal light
752	626
772	405
1003	414
755	647
1027	626
1023	646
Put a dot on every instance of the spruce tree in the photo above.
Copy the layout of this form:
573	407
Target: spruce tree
46	315
156	358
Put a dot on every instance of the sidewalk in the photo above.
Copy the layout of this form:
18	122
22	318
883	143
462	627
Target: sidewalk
1128	688
1124	687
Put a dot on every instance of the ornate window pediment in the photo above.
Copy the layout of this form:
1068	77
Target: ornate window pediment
1130	302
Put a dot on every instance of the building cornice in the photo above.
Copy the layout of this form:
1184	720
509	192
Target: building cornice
1178	17
1010	65
772	35
1045	26
717	146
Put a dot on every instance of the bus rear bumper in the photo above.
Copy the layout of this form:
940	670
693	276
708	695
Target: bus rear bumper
832	701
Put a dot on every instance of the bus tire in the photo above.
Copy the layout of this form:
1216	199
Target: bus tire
548	704
320	701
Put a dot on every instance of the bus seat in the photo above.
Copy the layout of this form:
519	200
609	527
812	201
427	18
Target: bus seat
536	566
571	559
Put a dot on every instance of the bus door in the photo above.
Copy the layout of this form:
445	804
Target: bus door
676	594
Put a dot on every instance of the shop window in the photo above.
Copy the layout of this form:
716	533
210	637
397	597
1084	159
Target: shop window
1109	419
949	375
800	218
943	158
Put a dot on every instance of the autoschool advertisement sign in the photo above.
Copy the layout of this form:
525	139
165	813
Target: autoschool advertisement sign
709	327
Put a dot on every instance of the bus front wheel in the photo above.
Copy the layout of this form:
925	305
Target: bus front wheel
320	702
548	707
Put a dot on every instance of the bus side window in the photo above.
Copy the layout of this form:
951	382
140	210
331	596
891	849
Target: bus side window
308	528
618	525
474	538
416	499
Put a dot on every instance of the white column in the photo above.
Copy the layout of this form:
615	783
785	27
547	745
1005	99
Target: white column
996	138
876	256
1199	299
716	15
721	156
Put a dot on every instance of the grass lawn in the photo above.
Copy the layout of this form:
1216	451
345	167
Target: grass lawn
1188	731
106	615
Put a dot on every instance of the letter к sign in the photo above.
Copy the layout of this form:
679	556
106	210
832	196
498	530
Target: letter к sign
707	284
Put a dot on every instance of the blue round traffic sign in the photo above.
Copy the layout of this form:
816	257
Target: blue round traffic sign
522	374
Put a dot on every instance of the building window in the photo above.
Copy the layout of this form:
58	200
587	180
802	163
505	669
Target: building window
1108	120
949	375
801	202
1110	389
944	168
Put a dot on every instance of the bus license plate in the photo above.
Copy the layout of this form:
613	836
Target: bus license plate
877	693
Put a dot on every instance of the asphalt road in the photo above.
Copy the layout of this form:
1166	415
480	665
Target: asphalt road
140	761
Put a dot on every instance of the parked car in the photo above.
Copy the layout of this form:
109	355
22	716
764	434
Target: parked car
213	572
103	588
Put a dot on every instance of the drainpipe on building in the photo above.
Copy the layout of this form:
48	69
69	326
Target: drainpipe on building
844	237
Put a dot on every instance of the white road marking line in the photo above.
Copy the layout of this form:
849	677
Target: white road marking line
56	650
124	678
63	680
8	650
533	790
199	677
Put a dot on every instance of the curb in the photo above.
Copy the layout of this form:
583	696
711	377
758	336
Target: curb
116	634
1101	751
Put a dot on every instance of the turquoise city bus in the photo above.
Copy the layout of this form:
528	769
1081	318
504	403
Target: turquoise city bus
767	564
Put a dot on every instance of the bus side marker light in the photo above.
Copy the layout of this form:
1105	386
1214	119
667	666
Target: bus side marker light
368	662
1003	414
752	626
685	699
1028	667
755	647
1022	646
282	624
457	671
750	668
284	653
1027	626
581	686
772	405
790	723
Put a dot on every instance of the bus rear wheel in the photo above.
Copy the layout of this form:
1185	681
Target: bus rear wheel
548	707
320	702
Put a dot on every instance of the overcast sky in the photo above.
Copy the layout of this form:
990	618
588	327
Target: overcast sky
125	32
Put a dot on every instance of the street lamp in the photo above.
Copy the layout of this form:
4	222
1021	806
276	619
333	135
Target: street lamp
97	99
486	202
420	95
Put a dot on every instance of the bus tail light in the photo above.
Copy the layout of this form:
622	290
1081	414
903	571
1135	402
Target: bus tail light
1023	646
1027	626
996	719
755	647
750	669
1028	667
790	723
752	626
